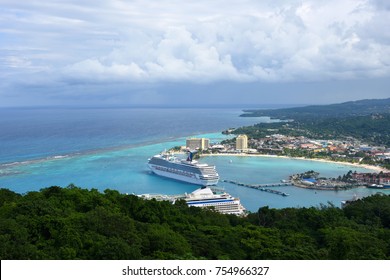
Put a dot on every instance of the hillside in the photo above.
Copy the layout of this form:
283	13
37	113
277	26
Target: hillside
365	120
341	110
75	223
373	129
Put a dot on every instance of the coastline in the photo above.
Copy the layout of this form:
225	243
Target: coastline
367	166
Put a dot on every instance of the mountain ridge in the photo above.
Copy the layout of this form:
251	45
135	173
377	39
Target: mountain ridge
346	109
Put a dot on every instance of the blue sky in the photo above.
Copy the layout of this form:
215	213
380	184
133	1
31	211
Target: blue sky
170	52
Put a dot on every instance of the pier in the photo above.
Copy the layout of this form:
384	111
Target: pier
262	187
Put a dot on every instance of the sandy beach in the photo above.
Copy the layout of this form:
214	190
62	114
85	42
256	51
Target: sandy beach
371	167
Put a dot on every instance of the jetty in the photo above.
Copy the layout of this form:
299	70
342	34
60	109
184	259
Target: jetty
261	187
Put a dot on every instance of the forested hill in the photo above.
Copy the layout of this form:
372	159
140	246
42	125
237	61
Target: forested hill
365	120
347	109
373	129
75	223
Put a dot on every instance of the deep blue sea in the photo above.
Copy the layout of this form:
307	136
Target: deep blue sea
109	148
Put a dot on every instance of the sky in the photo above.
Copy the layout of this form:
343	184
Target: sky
193	52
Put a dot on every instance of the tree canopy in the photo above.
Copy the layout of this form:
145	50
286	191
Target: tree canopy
76	223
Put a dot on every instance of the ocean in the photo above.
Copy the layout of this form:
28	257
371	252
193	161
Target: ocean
109	148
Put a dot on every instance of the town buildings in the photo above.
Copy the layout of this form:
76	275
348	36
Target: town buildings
197	143
372	178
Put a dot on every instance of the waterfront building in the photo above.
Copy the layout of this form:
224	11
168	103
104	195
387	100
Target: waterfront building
242	142
197	143
372	178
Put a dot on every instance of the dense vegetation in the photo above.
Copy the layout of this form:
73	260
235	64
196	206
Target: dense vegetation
372	129
75	223
366	120
342	110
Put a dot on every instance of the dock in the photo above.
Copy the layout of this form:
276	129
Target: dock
262	187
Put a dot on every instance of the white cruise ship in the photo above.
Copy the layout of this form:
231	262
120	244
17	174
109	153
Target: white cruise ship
221	201
188	170
205	197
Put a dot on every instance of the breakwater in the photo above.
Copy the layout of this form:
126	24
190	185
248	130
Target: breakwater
261	187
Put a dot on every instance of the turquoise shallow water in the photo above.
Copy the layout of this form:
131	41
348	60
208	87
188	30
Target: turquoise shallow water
109	148
125	170
263	170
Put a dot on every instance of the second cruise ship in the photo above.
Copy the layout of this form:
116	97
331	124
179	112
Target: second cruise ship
186	170
205	197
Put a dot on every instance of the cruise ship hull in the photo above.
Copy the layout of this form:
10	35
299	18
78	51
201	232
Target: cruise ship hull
188	178
205	197
225	206
222	202
188	171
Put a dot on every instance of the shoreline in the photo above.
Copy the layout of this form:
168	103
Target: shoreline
367	166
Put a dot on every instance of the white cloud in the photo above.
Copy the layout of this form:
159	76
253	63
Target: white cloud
198	41
16	62
94	70
177	56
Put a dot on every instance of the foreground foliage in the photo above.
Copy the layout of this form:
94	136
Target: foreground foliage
75	223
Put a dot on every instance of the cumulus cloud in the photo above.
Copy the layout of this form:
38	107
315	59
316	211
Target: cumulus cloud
177	56
198	41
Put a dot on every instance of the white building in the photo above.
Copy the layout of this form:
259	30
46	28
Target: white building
197	143
242	142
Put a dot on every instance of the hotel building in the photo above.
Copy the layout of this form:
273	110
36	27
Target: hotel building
242	142
197	143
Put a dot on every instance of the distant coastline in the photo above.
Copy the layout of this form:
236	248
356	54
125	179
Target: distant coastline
367	166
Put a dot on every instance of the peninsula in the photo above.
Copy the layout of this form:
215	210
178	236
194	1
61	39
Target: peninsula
353	132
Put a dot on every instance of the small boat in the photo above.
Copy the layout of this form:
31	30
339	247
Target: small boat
375	186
